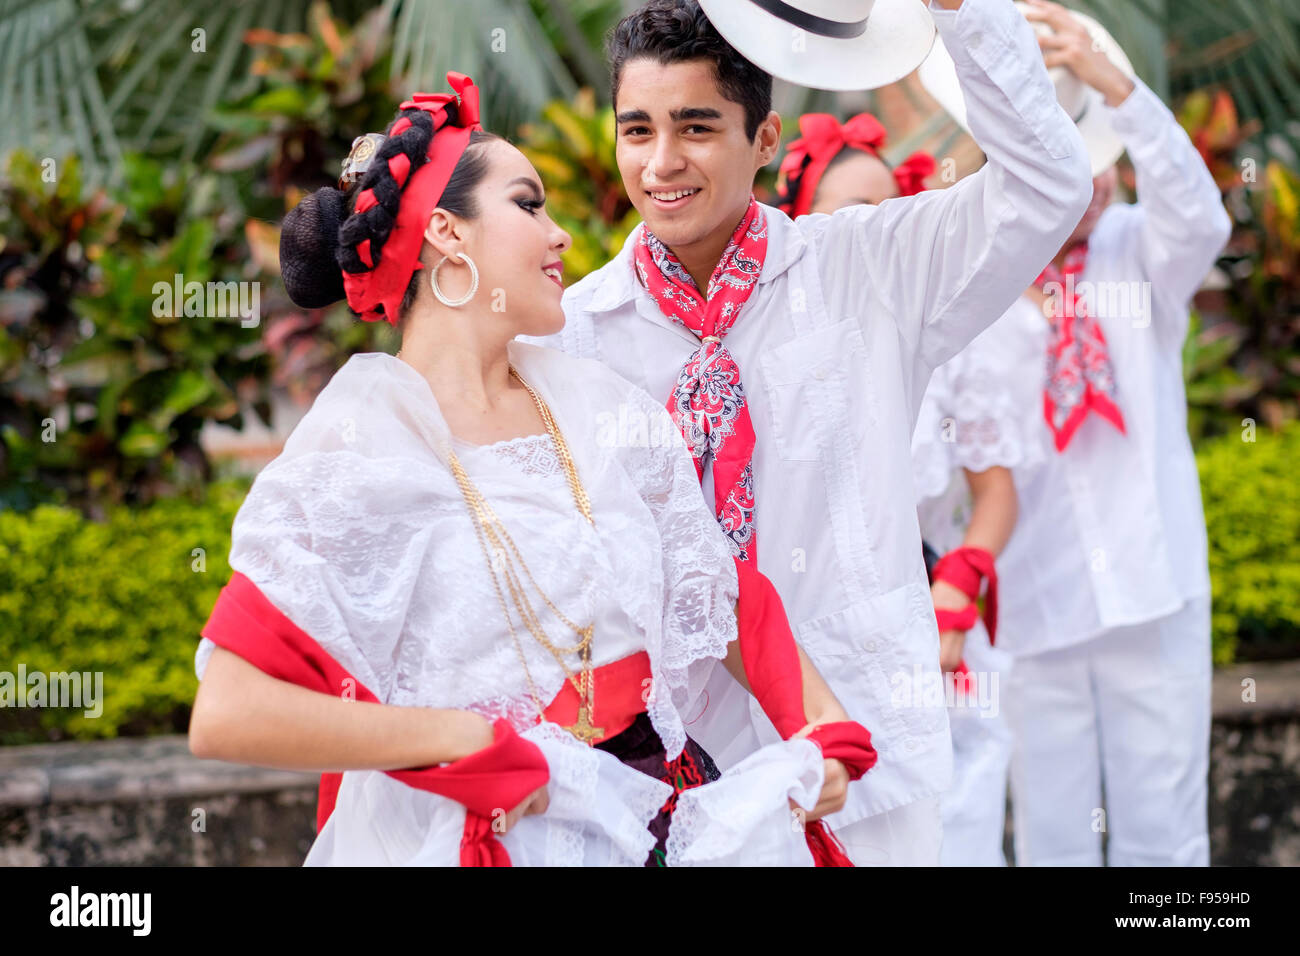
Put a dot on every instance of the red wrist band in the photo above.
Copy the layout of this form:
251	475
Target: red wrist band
964	568
962	620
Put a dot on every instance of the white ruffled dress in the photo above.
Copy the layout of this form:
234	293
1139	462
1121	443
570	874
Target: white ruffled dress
979	411
359	534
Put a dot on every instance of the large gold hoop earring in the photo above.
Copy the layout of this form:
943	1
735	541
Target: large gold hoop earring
473	281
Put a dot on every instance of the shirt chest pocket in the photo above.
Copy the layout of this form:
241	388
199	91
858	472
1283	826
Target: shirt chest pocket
815	391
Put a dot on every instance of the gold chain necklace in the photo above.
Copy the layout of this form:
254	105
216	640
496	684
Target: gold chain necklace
500	552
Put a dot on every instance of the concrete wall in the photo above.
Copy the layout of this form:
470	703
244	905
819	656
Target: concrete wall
149	802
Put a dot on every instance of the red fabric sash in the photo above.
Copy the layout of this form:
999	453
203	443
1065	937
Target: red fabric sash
619	693
499	777
708	401
962	620
821	139
1080	377
488	782
771	661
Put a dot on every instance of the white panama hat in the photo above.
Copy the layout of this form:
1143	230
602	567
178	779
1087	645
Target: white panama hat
827	44
1084	105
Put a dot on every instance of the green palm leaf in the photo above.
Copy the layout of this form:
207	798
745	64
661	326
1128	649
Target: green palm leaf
1249	47
97	77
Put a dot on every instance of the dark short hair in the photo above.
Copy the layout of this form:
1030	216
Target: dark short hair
672	31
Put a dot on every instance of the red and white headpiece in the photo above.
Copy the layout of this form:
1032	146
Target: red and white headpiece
822	139
377	292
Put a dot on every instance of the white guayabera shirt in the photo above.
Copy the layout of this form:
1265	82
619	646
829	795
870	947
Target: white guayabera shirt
851	314
1111	531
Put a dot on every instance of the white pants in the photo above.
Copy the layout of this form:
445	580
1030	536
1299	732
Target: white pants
1125	715
975	806
904	836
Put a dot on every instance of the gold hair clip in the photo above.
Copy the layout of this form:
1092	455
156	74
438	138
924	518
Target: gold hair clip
364	148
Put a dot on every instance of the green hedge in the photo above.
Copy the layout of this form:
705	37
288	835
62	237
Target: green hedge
122	597
1252	509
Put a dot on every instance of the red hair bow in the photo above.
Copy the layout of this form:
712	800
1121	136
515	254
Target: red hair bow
911	173
466	93
377	294
821	140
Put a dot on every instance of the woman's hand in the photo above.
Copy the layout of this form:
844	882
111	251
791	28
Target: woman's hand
533	804
835	785
473	732
951	643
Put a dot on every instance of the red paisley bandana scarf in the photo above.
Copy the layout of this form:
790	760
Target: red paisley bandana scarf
1080	378
708	402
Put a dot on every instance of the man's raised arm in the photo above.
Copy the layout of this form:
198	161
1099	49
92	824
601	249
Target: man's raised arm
949	262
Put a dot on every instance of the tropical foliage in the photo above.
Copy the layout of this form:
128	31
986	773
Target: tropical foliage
106	376
125	597
1252	514
1249	365
101	77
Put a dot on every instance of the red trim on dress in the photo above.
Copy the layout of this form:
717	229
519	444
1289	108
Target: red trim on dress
621	689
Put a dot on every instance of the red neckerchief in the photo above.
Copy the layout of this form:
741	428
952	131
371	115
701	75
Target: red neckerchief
708	401
377	293
821	139
1080	378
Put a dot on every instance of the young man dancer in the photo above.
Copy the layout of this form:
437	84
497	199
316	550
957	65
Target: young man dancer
1105	582
797	383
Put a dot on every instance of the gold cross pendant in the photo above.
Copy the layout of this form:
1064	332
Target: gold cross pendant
582	728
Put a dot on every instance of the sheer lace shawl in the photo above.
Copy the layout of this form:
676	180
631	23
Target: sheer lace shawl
982	409
359	534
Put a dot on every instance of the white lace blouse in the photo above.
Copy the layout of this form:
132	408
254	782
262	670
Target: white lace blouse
359	533
982	409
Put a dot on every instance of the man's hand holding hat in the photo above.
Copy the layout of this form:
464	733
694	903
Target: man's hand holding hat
1072	46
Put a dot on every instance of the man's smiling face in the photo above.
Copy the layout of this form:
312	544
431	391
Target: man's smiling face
686	161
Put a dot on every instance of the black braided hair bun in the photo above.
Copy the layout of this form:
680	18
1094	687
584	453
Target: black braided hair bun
376	223
309	244
321	234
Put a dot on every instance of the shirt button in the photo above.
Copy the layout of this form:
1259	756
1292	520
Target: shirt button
909	745
871	647
975	40
820	375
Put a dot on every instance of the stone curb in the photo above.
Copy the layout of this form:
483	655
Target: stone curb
148	768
